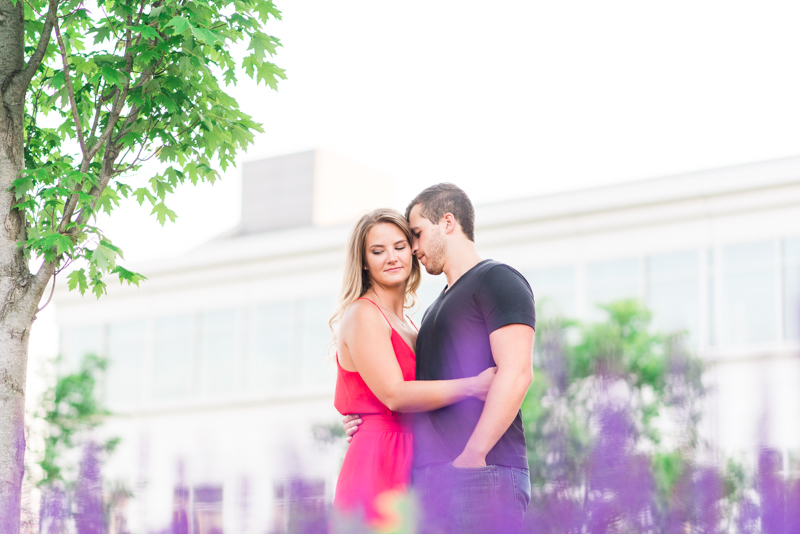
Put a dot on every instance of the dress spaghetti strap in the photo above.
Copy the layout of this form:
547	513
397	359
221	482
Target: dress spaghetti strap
412	322
380	310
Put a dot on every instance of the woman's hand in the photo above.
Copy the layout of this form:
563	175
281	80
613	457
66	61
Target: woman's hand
350	423
482	382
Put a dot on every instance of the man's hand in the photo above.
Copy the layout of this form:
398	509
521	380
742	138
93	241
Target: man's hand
466	459
512	347
350	423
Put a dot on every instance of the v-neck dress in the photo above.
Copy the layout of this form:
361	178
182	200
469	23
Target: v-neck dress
380	455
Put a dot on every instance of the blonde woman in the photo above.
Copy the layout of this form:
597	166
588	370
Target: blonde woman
376	363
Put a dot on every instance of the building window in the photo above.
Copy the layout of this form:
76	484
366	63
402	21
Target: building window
748	312
711	298
126	347
274	343
299	506
314	338
554	289
219	351
791	288
673	292
172	356
609	281
80	342
207	510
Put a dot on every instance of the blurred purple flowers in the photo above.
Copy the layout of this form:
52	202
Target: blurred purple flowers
601	460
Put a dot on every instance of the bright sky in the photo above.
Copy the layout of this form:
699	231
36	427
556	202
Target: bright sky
511	99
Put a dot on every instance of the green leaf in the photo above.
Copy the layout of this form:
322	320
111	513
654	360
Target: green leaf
262	43
263	71
77	278
141	194
104	258
128	276
111	76
21	186
265	9
101	34
108	200
207	36
179	24
162	212
108	244
98	287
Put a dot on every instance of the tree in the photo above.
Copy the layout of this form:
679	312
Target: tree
89	94
71	410
593	380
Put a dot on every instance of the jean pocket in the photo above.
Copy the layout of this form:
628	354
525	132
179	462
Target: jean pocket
522	488
486	468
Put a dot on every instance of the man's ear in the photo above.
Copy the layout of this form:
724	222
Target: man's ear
449	223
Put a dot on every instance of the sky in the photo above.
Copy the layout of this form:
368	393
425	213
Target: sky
509	99
506	99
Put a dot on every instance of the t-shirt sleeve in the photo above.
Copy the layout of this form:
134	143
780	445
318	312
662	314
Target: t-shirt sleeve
506	298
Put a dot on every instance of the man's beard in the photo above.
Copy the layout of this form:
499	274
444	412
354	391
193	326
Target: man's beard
435	253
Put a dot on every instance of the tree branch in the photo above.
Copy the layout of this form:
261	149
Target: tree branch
106	173
52	290
71	93
98	106
69	210
119	98
41	278
41	48
34	115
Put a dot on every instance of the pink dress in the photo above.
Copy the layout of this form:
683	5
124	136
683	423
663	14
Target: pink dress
380	456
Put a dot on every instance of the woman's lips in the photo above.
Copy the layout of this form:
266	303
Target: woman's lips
394	269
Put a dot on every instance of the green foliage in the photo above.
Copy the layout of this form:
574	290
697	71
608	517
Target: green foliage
328	433
122	83
71	409
657	377
668	467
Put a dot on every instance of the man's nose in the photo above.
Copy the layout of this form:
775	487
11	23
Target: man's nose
414	246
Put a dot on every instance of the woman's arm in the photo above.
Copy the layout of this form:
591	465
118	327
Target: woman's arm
368	340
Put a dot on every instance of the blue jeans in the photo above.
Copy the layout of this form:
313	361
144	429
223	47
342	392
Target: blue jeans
481	500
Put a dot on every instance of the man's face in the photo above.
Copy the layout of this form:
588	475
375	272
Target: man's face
429	244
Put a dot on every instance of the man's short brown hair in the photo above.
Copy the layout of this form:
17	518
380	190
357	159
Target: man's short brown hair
439	199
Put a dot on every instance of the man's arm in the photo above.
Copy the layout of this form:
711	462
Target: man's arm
512	349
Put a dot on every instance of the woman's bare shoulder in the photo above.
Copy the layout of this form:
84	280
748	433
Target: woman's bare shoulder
362	313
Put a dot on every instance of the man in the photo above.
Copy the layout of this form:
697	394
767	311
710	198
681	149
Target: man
470	462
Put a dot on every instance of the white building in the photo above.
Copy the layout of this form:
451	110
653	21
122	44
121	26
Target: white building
218	362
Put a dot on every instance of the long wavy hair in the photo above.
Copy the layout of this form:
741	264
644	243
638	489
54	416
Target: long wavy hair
356	280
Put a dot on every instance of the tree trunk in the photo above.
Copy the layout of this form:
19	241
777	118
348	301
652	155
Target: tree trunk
18	296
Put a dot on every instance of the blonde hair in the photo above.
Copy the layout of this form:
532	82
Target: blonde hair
356	280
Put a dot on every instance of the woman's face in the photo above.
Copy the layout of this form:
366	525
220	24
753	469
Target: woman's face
388	255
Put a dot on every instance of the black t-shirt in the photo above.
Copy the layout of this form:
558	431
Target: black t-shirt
453	342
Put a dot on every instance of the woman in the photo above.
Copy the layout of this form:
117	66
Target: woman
376	363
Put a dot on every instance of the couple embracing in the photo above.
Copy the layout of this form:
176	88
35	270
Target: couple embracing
436	409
